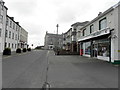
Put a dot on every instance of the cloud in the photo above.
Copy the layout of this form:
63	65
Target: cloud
22	7
39	16
68	11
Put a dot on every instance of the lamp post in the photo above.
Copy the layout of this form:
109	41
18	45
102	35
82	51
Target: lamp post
57	28
57	40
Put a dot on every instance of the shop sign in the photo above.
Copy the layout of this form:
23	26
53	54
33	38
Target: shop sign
101	32
96	33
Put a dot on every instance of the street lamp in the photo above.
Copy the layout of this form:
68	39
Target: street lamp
57	28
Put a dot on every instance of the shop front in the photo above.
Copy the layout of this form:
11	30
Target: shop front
101	49
96	48
96	45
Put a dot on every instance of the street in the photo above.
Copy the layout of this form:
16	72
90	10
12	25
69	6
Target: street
28	70
24	71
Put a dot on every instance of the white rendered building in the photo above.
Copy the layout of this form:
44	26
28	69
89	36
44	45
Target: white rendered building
12	35
3	13
100	38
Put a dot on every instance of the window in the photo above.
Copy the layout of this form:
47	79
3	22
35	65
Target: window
16	27
102	24
16	37
13	36
9	34
91	29
84	32
13	25
5	45
87	48
0	32
103	48
7	21
12	45
1	18
10	23
15	46
6	33
9	45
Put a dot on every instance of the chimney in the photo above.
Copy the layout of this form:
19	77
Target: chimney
17	23
12	18
2	2
99	13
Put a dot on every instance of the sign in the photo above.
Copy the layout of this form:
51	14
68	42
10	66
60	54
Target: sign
96	34
101	32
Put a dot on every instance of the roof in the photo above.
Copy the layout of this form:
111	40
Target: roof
79	23
102	14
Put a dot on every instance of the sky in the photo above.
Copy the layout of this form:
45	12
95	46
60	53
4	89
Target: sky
39	16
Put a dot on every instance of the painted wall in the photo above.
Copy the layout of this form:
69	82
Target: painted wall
119	32
14	32
3	26
112	23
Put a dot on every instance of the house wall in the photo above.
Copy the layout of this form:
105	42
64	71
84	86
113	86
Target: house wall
112	24
13	38
3	13
119	32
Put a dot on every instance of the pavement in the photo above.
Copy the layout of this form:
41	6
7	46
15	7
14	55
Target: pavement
28	70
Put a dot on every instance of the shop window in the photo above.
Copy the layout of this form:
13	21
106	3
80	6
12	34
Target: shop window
87	48
102	24
103	48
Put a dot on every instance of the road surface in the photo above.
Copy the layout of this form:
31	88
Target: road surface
28	70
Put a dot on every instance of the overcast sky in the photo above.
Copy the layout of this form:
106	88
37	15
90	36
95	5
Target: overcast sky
39	16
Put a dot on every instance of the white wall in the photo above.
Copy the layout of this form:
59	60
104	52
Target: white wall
2	26
0	71
112	23
119	32
10	40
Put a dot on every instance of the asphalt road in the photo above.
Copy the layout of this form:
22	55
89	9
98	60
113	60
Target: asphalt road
81	72
29	71
26	70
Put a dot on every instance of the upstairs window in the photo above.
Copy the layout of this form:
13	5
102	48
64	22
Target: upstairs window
0	32
11	24
102	24
1	19
9	34
13	36
6	33
91	29
83	32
